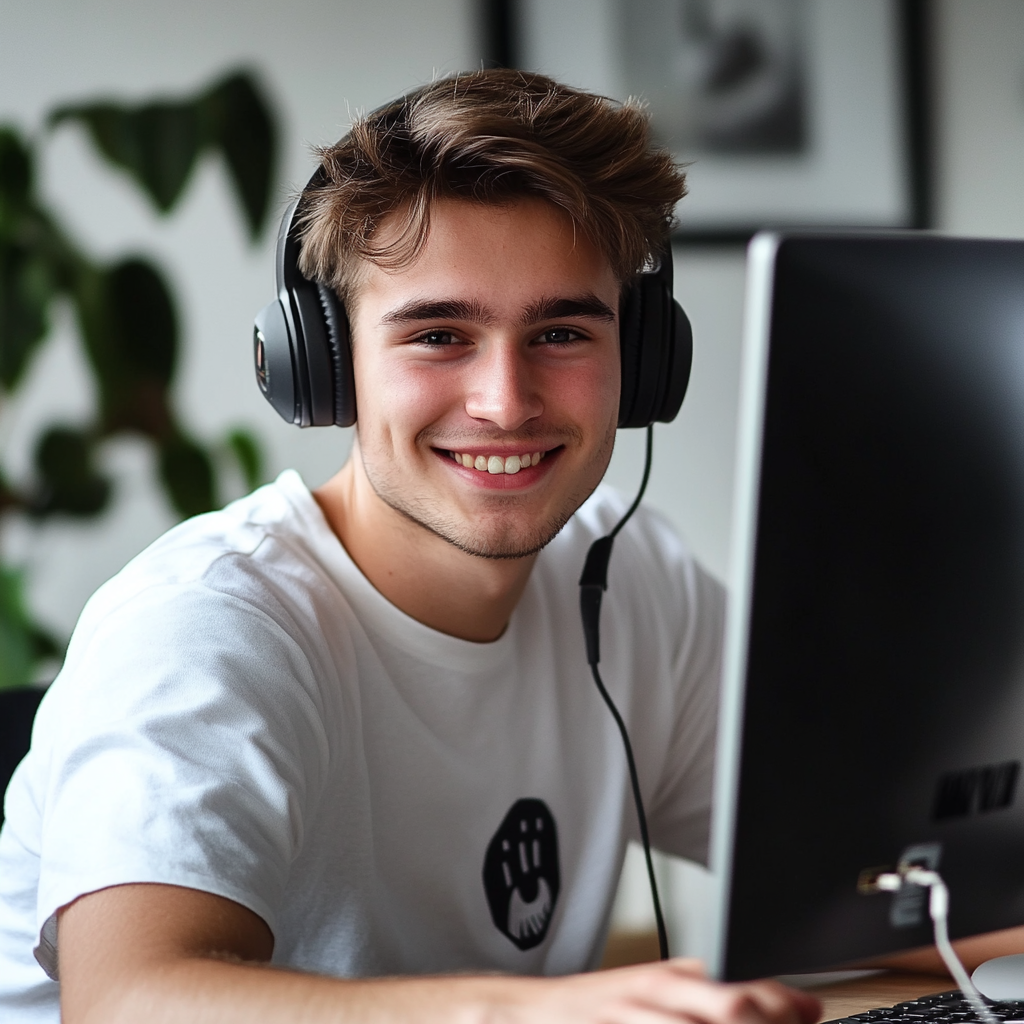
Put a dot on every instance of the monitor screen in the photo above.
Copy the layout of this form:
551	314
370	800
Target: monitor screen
873	700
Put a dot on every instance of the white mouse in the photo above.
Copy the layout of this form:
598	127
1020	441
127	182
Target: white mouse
1001	978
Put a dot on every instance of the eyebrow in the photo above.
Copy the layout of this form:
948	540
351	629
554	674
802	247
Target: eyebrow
439	309
588	306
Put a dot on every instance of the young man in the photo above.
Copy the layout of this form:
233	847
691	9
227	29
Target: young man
352	734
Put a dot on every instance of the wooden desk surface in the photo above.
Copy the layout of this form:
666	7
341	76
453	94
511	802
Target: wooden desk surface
886	989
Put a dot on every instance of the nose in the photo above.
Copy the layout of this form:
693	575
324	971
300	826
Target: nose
502	388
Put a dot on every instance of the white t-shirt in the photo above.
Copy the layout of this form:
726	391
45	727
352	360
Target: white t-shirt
241	712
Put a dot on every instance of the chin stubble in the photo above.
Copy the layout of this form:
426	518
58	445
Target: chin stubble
435	520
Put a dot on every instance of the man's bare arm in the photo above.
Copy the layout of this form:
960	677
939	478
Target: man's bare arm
972	951
162	954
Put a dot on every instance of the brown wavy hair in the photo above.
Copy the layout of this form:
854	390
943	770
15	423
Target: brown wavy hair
489	136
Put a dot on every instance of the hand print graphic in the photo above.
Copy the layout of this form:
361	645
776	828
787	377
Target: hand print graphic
521	875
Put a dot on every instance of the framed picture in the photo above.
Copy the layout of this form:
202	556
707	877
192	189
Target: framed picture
788	113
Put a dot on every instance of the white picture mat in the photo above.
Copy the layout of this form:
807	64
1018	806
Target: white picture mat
854	171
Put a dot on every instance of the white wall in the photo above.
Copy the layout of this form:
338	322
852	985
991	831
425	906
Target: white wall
980	125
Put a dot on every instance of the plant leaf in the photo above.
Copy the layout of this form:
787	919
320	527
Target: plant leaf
68	480
29	258
157	143
17	634
242	126
15	176
26	290
246	450
169	143
144	338
46	645
131	333
187	475
111	128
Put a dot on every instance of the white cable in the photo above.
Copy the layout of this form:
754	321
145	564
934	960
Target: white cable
938	908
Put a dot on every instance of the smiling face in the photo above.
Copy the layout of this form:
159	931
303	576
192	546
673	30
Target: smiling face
487	375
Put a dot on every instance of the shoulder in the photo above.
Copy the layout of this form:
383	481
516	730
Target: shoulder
230	600
260	549
284	510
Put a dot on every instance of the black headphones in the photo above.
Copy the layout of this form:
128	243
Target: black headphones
304	360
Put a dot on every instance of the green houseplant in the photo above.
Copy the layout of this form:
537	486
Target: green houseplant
125	314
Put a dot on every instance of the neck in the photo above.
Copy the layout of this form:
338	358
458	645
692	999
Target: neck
425	576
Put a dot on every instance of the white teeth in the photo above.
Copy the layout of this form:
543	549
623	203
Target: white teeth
495	464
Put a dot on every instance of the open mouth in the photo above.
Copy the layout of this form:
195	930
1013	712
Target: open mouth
498	464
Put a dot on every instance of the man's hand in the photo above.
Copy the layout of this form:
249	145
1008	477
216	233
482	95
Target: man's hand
676	990
161	954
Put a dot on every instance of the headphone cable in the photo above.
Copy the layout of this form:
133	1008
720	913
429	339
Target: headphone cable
593	584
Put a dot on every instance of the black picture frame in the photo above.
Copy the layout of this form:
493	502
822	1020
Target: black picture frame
502	40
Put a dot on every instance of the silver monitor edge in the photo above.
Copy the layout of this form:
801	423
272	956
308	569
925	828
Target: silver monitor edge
754	368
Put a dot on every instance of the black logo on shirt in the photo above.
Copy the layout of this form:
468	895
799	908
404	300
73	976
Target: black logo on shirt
521	876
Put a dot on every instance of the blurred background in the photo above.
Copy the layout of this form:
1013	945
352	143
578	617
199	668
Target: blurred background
911	114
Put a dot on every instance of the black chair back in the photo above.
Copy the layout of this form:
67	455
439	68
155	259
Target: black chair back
17	712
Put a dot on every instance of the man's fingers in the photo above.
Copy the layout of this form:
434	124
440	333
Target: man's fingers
641	1013
689	965
730	1004
687	993
674	992
689	996
780	1003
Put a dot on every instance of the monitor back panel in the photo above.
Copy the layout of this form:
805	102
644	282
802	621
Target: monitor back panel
874	697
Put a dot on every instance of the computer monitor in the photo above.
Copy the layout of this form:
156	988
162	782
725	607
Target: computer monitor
873	702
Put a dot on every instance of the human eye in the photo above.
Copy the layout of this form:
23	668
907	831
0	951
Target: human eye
560	336
436	339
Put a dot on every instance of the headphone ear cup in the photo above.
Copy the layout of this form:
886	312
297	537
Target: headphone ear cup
680	362
340	352
647	350
656	350
314	356
630	315
301	344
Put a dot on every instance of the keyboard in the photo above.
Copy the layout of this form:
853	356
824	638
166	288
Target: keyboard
944	1008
